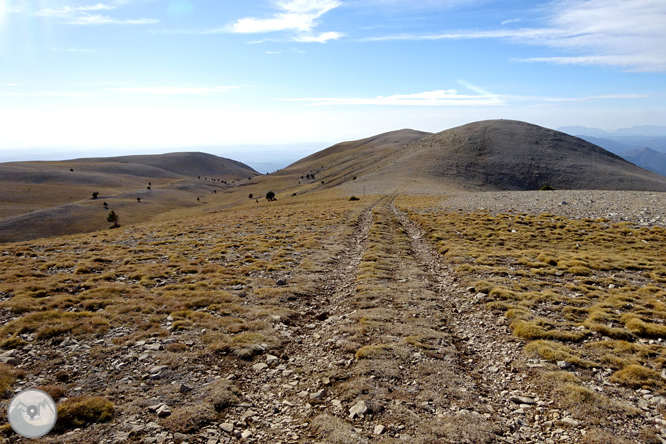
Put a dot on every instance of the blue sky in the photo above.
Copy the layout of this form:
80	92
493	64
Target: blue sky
141	75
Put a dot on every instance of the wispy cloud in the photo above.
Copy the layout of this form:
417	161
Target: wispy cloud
574	99
89	15
68	11
618	33
319	38
105	20
298	17
510	21
449	97
295	15
73	50
173	90
46	94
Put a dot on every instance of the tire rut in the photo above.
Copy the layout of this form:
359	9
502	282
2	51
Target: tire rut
487	352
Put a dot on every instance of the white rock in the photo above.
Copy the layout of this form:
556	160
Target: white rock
570	421
227	427
163	411
522	400
260	366
359	409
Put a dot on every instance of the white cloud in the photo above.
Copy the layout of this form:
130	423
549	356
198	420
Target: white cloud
173	90
575	99
449	97
73	50
619	33
300	16
44	93
68	11
321	38
105	20
88	15
452	97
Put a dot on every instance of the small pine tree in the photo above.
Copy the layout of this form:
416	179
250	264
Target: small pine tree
113	218
95	194
270	196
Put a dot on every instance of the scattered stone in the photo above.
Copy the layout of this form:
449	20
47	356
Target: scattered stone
184	388
564	364
260	366
227	427
570	421
318	394
153	408
379	429
281	282
359	409
271	360
163	411
246	434
522	400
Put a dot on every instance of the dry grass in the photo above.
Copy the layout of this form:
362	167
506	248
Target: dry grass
588	292
82	411
638	376
8	375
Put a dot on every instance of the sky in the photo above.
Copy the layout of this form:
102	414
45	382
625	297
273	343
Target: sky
116	76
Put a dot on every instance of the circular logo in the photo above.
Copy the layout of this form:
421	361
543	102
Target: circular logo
32	413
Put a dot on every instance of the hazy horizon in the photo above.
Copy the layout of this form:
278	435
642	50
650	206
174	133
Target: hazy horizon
263	158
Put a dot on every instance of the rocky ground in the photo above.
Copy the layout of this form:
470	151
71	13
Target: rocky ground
641	207
389	346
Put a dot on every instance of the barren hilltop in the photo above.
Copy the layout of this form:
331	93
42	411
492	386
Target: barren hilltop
512	155
424	312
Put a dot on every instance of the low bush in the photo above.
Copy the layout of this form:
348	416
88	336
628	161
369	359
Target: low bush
82	411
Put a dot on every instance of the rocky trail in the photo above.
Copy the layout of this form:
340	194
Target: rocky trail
430	364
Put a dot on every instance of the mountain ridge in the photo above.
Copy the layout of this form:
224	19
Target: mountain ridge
514	155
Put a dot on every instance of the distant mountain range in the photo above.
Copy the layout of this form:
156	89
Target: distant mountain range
643	145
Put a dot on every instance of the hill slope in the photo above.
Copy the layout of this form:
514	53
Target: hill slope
55	198
648	158
512	155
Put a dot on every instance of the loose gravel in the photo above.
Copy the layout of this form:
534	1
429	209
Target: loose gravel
638	207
